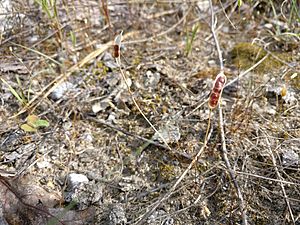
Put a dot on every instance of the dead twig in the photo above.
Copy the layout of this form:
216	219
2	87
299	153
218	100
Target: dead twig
230	170
119	129
155	143
247	71
213	31
267	178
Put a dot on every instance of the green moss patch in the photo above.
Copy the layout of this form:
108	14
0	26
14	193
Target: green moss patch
244	55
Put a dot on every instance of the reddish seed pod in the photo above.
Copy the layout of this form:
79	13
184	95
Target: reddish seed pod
219	83
213	100
216	92
116	51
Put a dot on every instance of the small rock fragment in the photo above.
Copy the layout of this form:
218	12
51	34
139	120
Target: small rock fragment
211	63
148	81
83	192
151	79
290	158
112	79
43	164
74	179
109	61
203	6
85	195
60	90
170	133
5	9
102	105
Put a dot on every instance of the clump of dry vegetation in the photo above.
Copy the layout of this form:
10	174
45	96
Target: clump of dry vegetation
88	139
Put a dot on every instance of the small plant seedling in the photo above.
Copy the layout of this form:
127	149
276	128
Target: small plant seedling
240	2
33	122
190	39
19	96
73	38
48	6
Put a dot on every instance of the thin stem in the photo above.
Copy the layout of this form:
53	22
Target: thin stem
213	25
230	170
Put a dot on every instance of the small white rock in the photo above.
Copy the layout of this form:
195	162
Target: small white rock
43	164
203	6
290	158
61	89
99	106
74	179
268	25
211	63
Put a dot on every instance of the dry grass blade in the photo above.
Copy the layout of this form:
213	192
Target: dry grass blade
38	52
